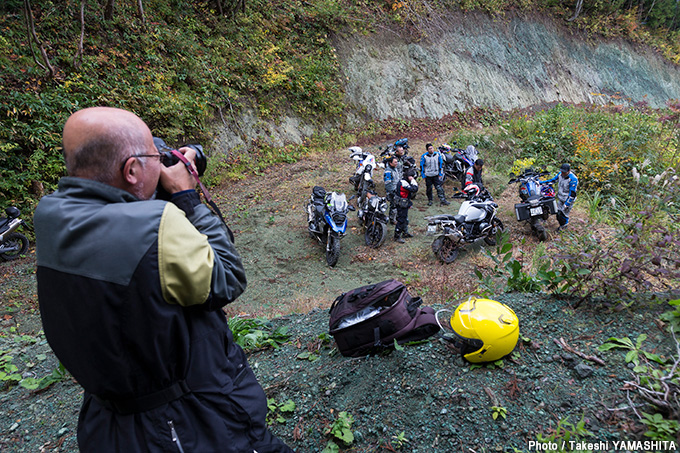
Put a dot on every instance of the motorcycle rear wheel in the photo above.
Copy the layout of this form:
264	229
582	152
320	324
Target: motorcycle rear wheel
332	250
375	234
490	238
17	241
448	250
539	228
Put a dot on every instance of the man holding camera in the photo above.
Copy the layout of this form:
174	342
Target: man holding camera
131	291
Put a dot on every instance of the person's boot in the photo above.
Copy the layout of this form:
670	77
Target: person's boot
444	202
398	238
429	202
406	234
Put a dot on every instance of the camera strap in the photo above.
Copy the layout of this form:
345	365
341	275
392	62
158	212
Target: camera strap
194	173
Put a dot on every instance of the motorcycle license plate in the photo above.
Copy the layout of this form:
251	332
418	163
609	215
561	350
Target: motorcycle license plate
431	229
536	211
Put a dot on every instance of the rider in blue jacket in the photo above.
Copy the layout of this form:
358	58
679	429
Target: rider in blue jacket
567	183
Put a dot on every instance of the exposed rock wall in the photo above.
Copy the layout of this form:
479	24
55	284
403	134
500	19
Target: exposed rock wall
475	61
513	63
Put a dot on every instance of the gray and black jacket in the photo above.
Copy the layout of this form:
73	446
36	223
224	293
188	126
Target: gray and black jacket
130	296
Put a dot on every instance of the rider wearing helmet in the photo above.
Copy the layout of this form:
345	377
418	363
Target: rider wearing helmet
567	182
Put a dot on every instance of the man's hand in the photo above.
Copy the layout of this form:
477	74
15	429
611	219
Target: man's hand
178	178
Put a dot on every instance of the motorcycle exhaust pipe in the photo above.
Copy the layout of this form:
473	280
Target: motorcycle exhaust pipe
13	225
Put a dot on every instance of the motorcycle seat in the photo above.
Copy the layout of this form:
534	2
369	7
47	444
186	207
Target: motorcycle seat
459	218
441	217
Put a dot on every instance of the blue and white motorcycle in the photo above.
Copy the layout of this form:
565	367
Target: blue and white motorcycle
327	220
538	201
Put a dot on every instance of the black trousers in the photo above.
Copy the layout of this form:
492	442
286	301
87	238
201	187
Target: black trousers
437	183
402	220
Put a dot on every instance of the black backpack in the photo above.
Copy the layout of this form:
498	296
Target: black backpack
368	319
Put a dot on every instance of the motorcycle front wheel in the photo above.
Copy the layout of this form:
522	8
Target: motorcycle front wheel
375	234
332	249
16	241
447	249
490	238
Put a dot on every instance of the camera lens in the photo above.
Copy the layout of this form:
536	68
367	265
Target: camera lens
169	159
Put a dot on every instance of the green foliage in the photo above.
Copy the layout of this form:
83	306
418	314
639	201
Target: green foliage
566	432
341	428
499	411
400	440
8	371
59	374
673	316
257	333
658	428
276	410
508	272
635	350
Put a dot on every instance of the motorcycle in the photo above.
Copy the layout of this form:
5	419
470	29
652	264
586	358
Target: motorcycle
372	209
476	219
538	201
327	220
457	161
12	243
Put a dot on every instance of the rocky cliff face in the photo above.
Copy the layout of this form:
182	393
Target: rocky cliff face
474	61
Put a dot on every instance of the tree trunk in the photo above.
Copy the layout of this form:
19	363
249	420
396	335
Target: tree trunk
108	11
33	37
140	11
577	10
78	57
220	11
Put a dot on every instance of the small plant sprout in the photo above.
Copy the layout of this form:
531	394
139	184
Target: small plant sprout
276	410
497	411
400	440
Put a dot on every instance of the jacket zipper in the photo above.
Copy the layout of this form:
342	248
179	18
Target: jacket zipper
173	434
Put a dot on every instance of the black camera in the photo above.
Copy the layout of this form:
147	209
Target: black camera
169	159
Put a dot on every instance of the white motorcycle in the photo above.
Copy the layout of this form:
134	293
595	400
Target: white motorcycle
476	219
372	209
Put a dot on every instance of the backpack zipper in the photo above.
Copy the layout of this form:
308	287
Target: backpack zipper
173	434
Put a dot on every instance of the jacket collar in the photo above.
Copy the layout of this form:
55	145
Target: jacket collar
88	188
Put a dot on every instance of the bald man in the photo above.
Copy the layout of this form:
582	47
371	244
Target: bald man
131	291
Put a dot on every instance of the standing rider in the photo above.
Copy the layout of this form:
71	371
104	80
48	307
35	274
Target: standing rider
432	169
567	182
392	177
406	188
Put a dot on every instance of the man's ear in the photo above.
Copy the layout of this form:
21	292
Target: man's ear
132	171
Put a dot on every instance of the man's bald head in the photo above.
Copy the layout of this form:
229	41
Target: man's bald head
96	140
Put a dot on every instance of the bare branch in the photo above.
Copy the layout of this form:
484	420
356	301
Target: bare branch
33	37
78	57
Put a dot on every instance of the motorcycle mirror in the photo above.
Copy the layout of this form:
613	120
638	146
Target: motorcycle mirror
512	181
351	208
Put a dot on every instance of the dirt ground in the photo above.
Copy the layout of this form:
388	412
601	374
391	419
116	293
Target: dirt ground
421	399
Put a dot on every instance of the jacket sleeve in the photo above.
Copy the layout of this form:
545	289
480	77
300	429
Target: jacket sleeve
573	184
198	262
553	179
441	165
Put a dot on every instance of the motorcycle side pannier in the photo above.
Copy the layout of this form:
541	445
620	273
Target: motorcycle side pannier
523	210
368	319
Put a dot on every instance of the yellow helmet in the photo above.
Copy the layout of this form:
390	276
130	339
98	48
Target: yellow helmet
488	330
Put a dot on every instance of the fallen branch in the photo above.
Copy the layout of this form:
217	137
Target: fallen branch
563	344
